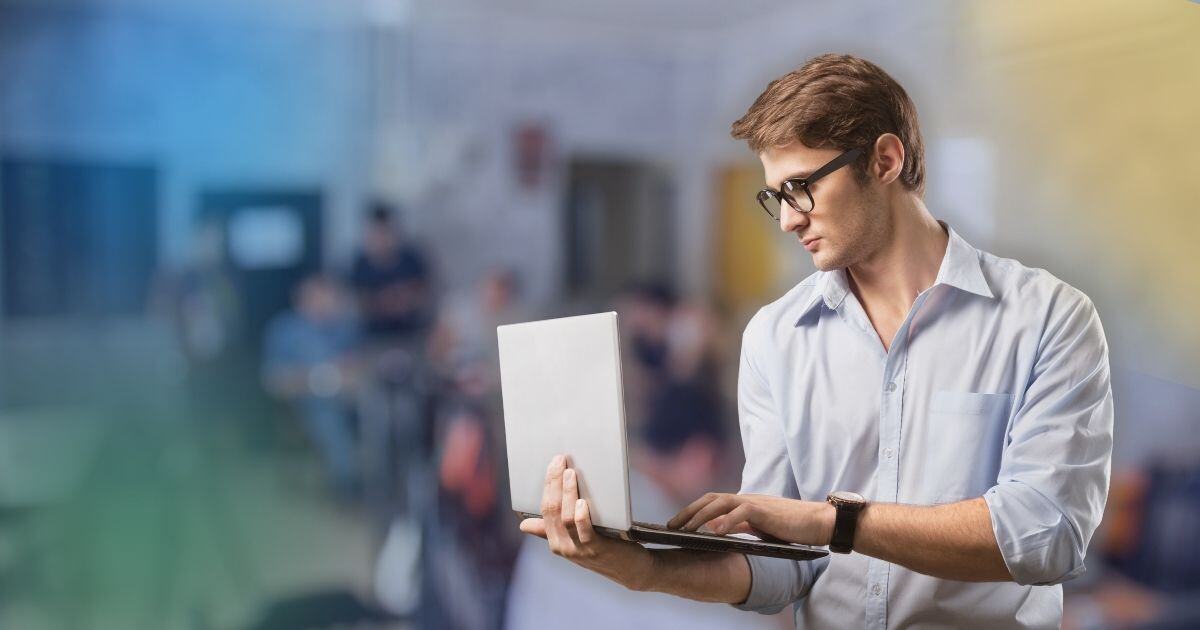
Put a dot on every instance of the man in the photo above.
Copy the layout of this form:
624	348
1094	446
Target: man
965	396
309	362
391	276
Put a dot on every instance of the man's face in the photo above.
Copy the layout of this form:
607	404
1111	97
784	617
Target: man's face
319	300
380	240
848	222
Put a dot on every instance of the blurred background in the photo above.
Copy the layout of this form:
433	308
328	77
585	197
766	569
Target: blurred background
253	253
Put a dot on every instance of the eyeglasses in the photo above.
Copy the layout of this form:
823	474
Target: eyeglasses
796	190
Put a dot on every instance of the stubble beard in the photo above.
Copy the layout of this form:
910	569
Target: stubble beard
865	234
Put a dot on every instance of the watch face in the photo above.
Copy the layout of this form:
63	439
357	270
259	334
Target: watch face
847	497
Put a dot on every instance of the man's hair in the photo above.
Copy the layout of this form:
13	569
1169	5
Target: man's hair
381	213
837	101
656	293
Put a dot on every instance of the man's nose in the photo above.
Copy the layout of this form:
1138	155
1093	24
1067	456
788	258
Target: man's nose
790	219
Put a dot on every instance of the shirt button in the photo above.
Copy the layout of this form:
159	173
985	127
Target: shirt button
887	452
891	387
875	590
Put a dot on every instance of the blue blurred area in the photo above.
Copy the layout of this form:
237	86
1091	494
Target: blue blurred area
252	257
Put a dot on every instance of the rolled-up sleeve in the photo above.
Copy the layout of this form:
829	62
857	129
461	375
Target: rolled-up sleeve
1054	472
775	582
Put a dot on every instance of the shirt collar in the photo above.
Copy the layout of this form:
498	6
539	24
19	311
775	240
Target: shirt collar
960	269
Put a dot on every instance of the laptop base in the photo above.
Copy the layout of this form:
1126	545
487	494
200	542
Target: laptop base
659	535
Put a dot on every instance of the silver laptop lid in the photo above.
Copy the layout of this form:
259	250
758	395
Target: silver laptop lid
561	384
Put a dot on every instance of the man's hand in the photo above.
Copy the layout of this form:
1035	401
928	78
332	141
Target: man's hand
567	524
789	520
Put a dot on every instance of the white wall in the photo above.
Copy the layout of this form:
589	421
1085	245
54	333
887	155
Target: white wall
636	89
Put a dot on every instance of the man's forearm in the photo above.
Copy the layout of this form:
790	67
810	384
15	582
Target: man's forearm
707	576
952	541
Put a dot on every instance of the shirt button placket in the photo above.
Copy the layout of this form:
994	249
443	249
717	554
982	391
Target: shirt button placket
891	411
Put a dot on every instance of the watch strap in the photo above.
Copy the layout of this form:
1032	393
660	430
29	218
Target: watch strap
844	525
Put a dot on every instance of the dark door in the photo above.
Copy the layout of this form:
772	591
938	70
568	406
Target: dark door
272	240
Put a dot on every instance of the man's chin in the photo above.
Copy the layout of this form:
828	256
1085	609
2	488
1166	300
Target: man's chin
825	263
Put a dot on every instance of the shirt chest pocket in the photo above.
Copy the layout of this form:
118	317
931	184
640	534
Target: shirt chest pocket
963	456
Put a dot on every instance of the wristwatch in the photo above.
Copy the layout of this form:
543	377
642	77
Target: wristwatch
848	506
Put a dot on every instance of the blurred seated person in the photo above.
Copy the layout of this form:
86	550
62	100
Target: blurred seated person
680	455
391	277
309	363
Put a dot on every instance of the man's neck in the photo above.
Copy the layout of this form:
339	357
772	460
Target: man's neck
888	282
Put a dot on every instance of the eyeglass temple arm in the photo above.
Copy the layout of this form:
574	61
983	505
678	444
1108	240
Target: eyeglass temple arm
837	163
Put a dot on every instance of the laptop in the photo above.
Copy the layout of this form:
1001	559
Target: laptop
561	386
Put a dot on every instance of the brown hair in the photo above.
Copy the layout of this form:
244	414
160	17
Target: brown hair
839	101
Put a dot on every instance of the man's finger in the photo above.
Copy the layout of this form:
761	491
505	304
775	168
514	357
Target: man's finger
570	494
738	516
555	529
535	526
552	500
583	522
686	513
745	528
723	504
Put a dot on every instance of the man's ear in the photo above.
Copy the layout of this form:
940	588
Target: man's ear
888	160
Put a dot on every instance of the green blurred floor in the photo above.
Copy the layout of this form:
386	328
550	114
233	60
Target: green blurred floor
177	526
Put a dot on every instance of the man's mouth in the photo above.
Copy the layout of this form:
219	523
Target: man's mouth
811	243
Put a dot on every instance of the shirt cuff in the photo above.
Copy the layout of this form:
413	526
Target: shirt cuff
775	582
1038	544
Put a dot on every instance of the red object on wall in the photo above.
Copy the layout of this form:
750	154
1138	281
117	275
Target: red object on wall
531	143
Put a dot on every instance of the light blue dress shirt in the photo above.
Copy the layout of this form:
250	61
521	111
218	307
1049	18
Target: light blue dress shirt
996	385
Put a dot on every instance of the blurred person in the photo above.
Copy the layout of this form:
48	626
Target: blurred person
952	408
694	348
645	310
648	308
1146	565
392	278
466	327
679	454
309	363
207	315
675	347
465	566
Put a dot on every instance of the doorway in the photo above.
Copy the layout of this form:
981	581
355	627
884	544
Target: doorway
619	227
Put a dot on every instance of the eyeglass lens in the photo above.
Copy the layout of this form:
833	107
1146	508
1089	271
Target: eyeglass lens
799	198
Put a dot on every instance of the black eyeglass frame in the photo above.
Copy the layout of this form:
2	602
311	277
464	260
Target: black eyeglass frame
792	184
